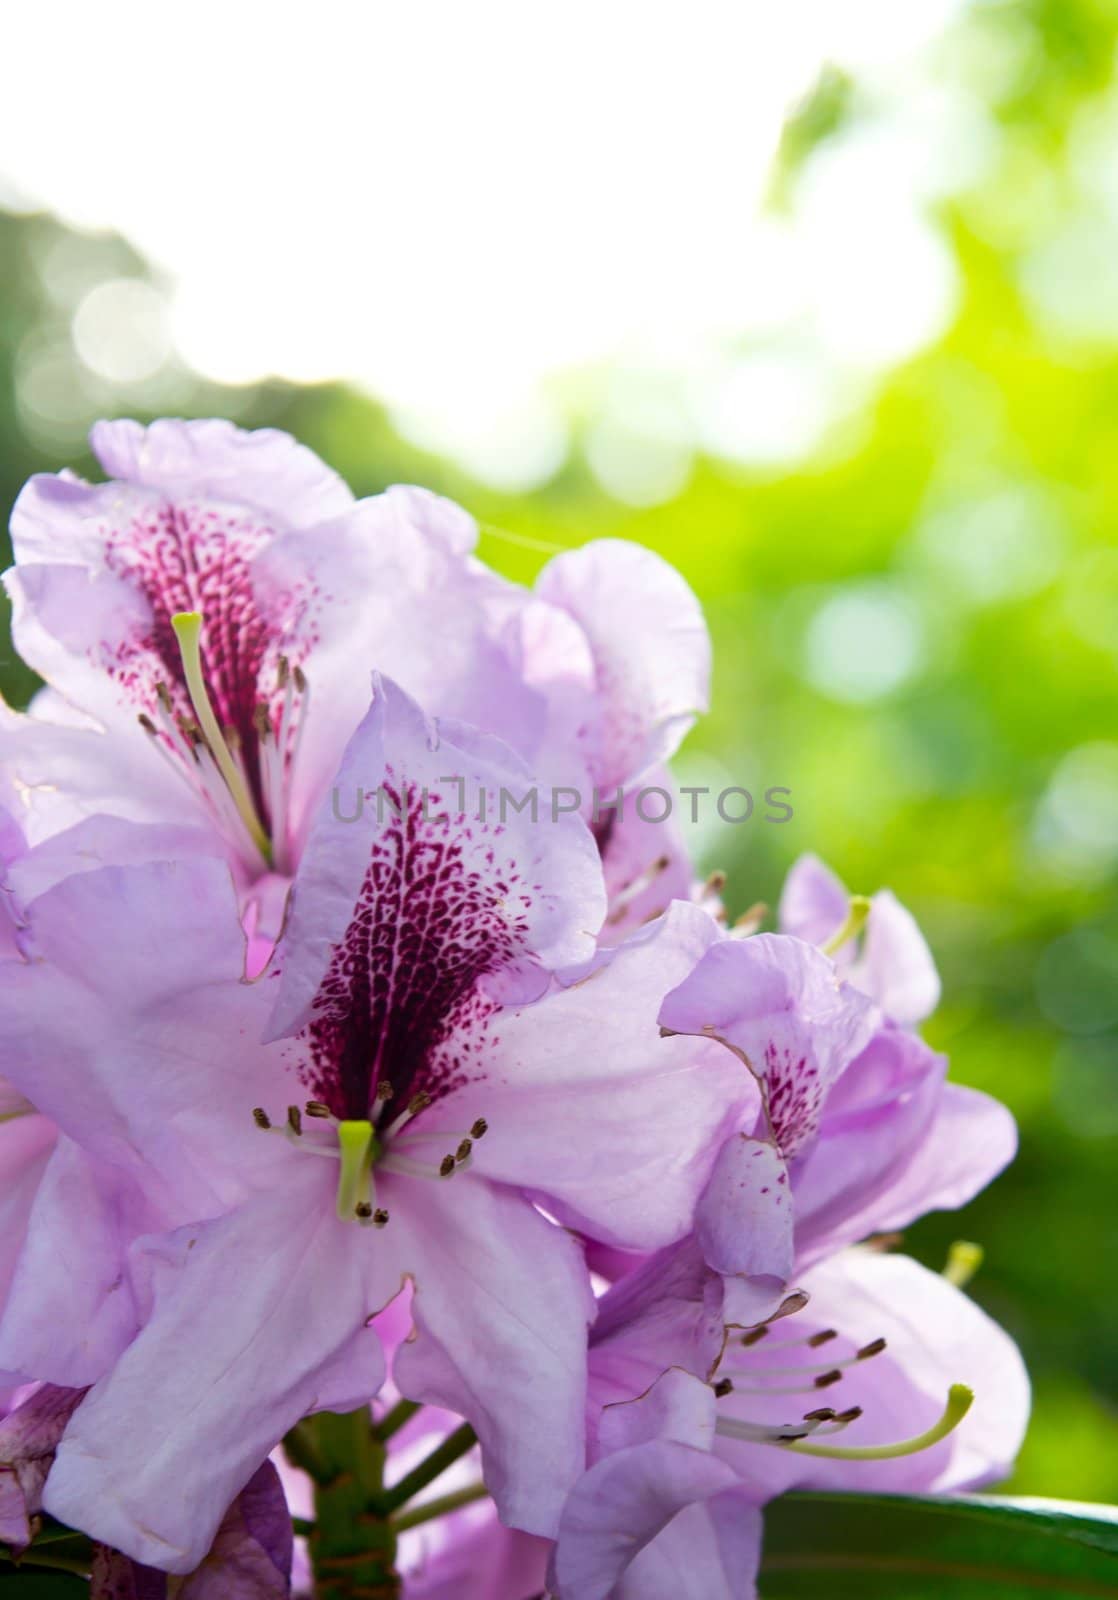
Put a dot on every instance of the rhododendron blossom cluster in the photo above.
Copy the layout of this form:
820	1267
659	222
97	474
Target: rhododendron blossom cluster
449	1176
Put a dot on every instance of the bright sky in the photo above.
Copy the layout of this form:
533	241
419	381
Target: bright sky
454	203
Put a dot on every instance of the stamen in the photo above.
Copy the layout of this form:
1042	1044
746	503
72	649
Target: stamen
750	920
315	1108
644	880
722	1388
446	1166
261	1117
959	1402
755	1335
463	1151
415	1105
851	928
294	1120
188	631
479	1129
963	1261
822	1374
380	1217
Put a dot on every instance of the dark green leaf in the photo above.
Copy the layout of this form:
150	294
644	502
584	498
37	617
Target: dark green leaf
897	1547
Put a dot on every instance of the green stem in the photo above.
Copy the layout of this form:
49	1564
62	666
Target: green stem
430	1509
452	1449
352	1544
392	1421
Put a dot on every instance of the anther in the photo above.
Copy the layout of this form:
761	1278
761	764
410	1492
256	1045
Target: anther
821	1414
822	1338
315	1108
418	1103
300	679
825	1379
380	1217
755	1335
363	1210
479	1129
874	1348
384	1090
282	670
723	1387
294	1120
463	1151
446	1166
261	1117
715	883
164	696
851	1415
261	720
146	723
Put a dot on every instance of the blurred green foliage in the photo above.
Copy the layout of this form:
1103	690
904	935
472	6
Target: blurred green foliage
965	524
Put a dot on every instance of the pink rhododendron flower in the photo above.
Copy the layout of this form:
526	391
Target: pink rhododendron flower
667	1507
331	1074
400	1037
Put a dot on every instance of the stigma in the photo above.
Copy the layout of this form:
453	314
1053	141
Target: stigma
243	773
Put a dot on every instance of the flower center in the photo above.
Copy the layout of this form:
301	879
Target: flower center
362	1145
810	1376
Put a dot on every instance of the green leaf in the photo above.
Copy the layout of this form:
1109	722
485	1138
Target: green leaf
25	1583
901	1547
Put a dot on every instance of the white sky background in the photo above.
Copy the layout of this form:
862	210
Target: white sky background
453	204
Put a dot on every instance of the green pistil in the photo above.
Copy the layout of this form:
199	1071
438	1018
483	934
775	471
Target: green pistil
358	1146
851	928
959	1401
188	632
963	1261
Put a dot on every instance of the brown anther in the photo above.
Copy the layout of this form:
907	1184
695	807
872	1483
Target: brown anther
463	1151
716	882
380	1217
849	1416
384	1090
822	1414
261	720
446	1166
825	1379
418	1102
822	1338
282	670
363	1210
300	679
294	1119
479	1129
145	722
164	695
661	864
874	1348
315	1108
722	1388
232	738
261	1117
755	1335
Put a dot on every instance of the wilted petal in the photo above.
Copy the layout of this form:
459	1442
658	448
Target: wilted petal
28	1439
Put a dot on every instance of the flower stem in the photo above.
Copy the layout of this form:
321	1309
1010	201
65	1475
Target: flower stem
403	1411
430	1509
452	1449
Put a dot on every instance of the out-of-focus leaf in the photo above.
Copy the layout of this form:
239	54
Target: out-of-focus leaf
900	1547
